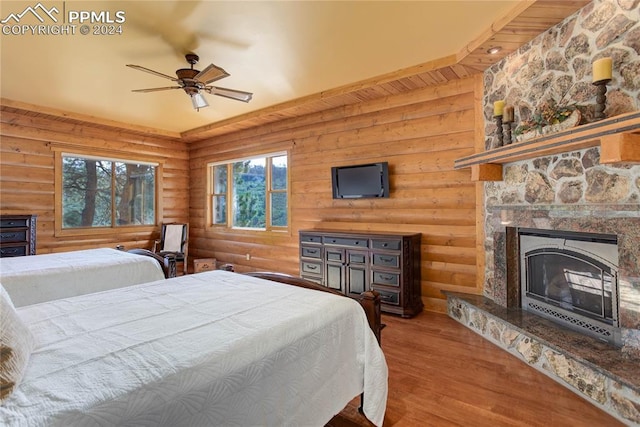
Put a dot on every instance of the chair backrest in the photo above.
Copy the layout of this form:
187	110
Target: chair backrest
174	237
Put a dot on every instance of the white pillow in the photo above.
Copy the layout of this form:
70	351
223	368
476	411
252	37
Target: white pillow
16	344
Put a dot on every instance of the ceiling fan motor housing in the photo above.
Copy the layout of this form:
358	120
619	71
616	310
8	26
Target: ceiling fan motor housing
187	81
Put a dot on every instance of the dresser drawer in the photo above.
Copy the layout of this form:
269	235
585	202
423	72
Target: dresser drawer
392	245
14	222
388	297
341	241
386	278
308	252
306	238
336	255
358	257
10	236
386	260
9	251
311	267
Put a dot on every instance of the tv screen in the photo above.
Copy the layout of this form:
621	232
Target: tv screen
360	181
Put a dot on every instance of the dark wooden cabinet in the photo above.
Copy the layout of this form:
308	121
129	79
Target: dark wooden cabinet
17	235
353	262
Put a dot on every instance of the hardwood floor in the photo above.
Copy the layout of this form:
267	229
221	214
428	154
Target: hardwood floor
443	374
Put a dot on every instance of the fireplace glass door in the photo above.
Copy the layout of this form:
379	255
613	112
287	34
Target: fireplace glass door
565	279
571	278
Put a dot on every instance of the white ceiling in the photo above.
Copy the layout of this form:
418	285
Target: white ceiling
278	50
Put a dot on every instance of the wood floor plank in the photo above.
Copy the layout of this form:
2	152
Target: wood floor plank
443	374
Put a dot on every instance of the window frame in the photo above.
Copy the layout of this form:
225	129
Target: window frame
228	225
61	152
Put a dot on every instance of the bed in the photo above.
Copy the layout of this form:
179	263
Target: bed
214	348
38	278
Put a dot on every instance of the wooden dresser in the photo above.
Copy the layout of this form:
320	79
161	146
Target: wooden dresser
17	235
353	262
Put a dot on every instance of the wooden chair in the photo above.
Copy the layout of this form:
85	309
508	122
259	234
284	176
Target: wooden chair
174	241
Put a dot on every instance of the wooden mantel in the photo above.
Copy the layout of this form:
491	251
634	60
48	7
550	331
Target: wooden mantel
618	138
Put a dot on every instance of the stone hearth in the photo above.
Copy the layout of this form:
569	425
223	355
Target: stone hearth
609	377
590	368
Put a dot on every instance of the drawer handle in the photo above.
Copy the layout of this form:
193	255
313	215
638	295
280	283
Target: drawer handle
333	241
386	297
384	245
386	277
9	251
312	251
9	235
312	267
390	259
357	242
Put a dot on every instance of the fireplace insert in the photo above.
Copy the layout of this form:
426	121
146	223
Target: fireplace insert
572	279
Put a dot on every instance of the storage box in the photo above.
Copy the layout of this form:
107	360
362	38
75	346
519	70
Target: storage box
204	264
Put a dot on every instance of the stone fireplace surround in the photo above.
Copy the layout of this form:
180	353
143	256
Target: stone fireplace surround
623	221
565	191
606	376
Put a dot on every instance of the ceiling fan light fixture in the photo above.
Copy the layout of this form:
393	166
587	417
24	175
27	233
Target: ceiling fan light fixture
198	101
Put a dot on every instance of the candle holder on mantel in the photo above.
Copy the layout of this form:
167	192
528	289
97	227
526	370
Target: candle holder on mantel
506	125
499	134
601	98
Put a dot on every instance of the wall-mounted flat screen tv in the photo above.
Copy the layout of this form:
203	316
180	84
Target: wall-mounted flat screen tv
360	181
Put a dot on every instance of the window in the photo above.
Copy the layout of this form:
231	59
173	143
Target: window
107	193
250	193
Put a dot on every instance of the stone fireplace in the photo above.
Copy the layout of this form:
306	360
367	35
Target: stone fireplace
620	220
606	374
606	203
565	192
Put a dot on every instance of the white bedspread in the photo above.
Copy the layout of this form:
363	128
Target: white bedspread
209	349
39	278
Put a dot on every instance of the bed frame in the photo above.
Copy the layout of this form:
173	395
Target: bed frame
369	300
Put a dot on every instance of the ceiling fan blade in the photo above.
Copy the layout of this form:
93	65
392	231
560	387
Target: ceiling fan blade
211	74
238	95
156	89
137	67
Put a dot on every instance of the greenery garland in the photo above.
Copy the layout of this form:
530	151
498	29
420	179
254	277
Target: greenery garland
549	113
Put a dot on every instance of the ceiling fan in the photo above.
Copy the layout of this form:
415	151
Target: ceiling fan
193	82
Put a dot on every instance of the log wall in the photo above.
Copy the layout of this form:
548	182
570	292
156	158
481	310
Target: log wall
27	172
420	133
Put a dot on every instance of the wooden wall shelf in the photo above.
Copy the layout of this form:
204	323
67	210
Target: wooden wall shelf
618	138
